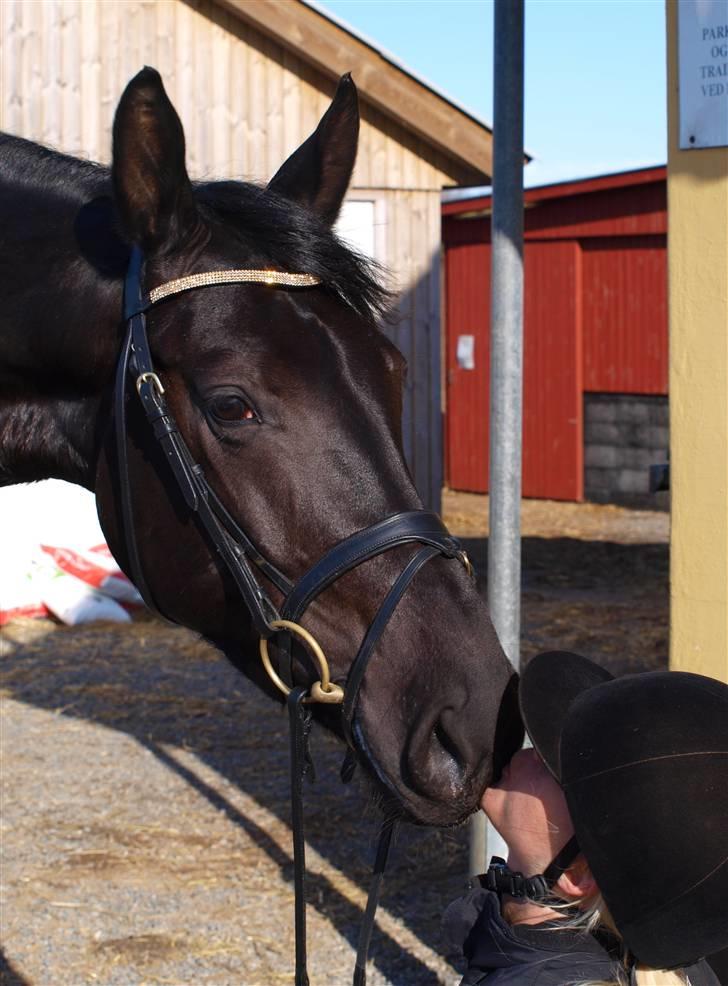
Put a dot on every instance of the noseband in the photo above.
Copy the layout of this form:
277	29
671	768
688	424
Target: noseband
240	556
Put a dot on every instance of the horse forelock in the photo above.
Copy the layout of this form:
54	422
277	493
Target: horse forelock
273	230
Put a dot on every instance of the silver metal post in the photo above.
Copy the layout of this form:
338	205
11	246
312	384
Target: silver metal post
506	358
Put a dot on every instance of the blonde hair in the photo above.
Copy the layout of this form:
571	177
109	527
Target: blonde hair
642	976
660	977
592	913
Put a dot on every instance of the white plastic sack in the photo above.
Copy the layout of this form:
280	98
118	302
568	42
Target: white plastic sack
47	562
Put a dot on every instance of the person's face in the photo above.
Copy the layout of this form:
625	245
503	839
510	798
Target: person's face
528	808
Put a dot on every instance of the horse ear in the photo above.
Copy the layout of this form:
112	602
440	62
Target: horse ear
152	190
317	175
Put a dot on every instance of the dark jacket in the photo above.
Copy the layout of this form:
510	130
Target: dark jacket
528	955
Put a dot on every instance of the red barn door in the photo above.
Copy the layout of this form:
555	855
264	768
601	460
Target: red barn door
467	305
552	417
553	421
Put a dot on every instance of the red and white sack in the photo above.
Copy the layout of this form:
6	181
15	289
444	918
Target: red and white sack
73	582
72	601
95	567
32	584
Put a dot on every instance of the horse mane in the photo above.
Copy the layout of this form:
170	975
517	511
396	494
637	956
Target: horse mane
24	163
271	229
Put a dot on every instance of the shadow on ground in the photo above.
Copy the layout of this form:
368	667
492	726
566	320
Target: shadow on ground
606	600
157	684
8	975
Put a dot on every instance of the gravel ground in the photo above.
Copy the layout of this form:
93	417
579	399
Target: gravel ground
145	830
594	578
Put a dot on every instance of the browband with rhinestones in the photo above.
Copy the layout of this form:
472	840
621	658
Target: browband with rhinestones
273	277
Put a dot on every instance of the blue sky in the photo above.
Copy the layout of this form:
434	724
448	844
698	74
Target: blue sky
595	73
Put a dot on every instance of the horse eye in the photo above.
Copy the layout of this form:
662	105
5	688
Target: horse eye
231	409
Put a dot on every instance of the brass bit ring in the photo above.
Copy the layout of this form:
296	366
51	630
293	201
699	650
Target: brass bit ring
321	691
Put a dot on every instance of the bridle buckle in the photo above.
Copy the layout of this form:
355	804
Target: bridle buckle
467	564
152	379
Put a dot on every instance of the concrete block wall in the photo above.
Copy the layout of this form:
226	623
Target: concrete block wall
624	434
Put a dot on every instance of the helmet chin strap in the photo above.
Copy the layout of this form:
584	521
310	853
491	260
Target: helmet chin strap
503	880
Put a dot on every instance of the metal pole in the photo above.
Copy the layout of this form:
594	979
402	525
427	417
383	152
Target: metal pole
506	357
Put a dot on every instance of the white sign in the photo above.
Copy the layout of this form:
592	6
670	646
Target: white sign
703	72
466	352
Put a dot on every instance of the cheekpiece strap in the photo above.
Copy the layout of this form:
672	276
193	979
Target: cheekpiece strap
235	549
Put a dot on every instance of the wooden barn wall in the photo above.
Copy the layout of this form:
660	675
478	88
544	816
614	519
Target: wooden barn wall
627	211
413	237
246	103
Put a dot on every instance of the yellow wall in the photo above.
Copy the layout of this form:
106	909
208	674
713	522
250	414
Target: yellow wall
698	300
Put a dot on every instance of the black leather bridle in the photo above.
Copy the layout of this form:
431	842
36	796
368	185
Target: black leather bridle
240	556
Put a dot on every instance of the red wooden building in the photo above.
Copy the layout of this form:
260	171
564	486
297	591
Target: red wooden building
595	337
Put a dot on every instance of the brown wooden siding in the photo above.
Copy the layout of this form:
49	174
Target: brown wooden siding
245	101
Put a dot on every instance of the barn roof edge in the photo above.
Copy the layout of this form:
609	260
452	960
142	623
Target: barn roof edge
334	47
480	203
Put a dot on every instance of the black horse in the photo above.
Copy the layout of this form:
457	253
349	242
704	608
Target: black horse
289	399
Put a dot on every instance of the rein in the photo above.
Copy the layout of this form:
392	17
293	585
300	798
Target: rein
242	559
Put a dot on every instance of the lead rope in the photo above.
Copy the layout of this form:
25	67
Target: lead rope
300	722
367	922
301	719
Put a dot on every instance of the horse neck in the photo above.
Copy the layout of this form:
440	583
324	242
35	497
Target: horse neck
59	319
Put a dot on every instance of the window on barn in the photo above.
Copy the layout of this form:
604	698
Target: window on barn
361	225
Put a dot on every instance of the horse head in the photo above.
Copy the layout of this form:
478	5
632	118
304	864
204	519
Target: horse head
289	400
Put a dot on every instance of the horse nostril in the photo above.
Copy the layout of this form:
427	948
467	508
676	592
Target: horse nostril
446	741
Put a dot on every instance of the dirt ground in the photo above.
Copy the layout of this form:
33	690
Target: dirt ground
145	831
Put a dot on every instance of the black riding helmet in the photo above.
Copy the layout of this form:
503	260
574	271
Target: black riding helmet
643	762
